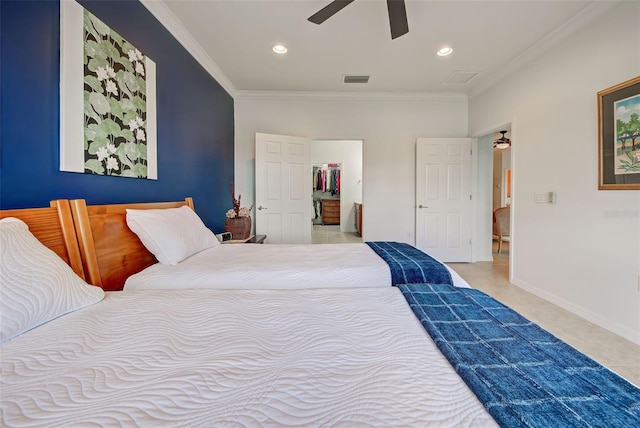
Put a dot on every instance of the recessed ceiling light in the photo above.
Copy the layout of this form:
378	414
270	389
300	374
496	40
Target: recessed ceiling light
279	48
445	51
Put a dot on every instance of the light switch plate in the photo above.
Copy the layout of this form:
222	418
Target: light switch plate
544	197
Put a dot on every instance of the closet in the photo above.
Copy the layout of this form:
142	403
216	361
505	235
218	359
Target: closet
326	193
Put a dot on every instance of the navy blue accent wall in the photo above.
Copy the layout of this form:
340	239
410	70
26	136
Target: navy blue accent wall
195	116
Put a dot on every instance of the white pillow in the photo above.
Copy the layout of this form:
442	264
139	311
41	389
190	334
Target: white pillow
171	234
36	285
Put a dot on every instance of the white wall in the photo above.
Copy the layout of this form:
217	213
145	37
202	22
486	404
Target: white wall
388	127
348	153
583	251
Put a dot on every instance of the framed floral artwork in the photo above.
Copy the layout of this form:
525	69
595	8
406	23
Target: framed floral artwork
107	100
619	136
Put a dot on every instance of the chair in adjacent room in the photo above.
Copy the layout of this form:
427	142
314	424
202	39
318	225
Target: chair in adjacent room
502	228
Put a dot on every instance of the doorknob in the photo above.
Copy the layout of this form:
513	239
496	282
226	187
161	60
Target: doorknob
422	206
262	208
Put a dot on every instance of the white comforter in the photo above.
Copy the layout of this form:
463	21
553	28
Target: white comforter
273	266
321	357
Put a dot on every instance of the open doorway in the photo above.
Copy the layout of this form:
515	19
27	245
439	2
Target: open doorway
501	230
502	172
494	189
326	182
336	178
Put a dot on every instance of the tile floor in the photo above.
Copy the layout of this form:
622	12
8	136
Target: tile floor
618	354
322	234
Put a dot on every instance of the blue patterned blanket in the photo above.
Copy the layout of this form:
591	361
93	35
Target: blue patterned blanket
524	376
409	265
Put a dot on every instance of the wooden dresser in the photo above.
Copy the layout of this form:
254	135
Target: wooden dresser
358	218
331	211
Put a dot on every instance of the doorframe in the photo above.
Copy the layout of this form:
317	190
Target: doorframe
480	214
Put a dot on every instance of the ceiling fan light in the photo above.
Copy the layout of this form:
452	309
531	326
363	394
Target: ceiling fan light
445	51
502	142
279	48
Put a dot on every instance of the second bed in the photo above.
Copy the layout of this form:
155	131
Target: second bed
115	258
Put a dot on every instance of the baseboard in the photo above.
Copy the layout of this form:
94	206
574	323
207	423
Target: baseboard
616	328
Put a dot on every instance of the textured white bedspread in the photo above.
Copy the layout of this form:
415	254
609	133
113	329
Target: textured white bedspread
321	357
251	266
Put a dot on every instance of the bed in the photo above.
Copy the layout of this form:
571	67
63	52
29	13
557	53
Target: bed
115	258
380	356
308	357
236	358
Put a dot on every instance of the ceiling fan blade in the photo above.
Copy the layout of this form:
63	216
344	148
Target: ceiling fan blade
397	18
328	11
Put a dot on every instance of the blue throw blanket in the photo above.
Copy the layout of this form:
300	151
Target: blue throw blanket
524	376
409	265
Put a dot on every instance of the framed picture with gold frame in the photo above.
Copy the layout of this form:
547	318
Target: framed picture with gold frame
619	136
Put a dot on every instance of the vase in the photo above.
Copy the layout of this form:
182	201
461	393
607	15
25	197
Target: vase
239	227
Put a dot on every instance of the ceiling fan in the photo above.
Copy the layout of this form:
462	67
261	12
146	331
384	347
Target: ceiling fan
502	142
396	8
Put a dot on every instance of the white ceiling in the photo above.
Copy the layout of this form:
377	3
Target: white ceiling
233	39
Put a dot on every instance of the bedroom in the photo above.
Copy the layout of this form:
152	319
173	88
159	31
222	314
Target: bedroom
588	269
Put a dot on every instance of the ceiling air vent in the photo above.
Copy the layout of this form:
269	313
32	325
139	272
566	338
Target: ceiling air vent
460	77
354	78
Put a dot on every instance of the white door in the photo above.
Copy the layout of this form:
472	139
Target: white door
443	198
283	189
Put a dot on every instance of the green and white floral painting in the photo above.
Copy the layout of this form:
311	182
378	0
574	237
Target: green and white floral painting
117	109
627	142
114	103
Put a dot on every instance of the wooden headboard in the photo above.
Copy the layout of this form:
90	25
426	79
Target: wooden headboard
110	251
53	226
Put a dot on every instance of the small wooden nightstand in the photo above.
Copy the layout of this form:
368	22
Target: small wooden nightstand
255	239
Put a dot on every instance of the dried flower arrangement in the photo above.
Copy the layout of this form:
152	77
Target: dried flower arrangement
237	211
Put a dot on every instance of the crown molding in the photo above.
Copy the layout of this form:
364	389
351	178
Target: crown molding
351	96
164	15
578	21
